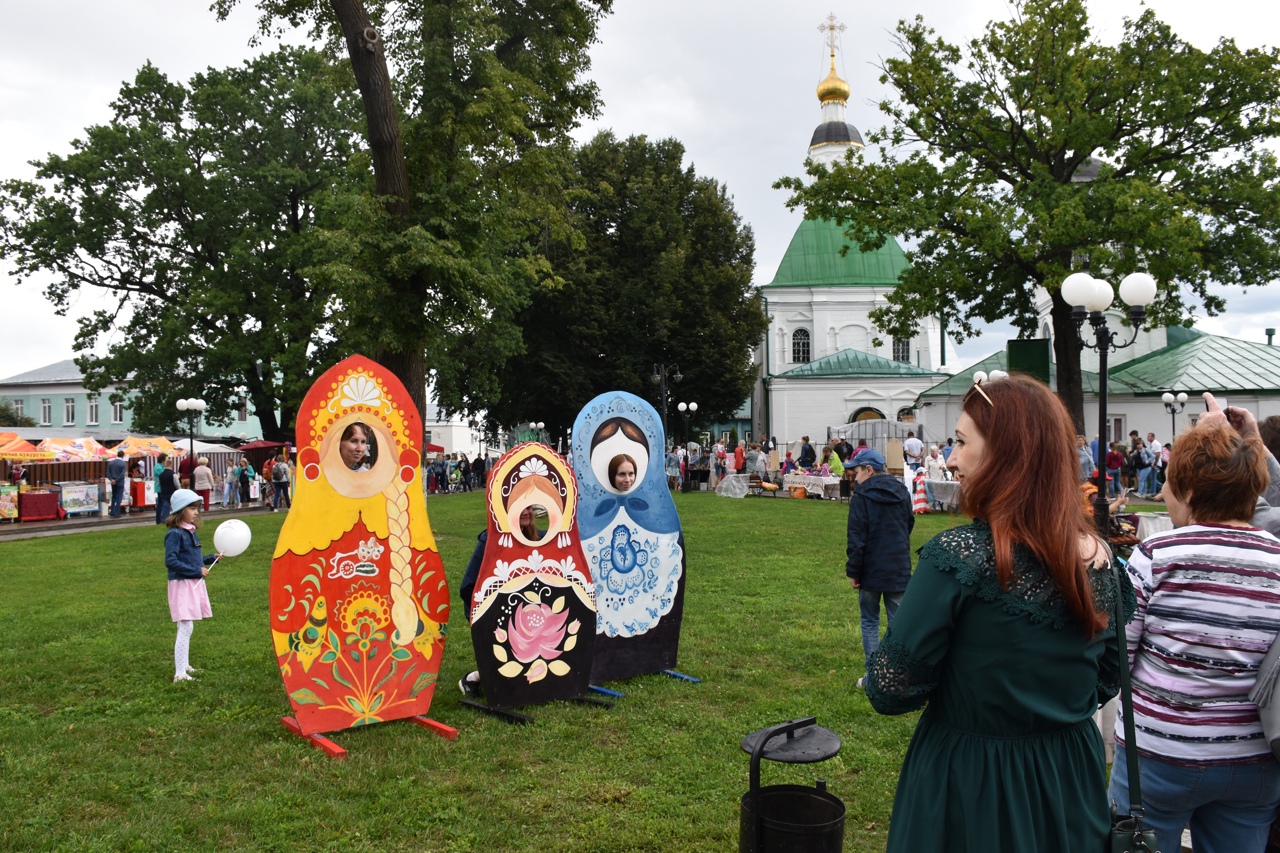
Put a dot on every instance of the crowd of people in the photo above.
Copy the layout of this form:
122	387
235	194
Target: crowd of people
1006	633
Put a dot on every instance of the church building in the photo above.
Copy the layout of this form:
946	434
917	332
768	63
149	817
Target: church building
821	363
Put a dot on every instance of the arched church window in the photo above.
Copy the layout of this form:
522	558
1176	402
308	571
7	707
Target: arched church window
800	352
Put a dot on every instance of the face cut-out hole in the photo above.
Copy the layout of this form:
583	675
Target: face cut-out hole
358	447
622	472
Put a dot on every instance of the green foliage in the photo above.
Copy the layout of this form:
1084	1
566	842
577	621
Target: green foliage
101	751
198	207
9	416
658	270
488	94
733	438
994	186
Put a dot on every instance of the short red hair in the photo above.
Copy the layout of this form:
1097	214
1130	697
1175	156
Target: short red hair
1218	473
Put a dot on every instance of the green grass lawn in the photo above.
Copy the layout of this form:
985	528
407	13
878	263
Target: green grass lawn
100	751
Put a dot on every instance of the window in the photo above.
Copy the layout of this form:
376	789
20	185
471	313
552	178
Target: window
117	413
243	414
92	419
800	346
902	350
46	411
68	411
18	406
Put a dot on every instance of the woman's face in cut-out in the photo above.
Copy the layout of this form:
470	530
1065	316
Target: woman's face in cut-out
625	477
354	447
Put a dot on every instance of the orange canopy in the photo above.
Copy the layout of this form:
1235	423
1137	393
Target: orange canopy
74	449
12	447
136	446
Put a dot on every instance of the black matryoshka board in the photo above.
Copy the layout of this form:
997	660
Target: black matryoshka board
631	537
533	610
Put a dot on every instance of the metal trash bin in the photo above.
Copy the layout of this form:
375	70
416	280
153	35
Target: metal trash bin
791	818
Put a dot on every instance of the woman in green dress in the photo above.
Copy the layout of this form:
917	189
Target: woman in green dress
1004	637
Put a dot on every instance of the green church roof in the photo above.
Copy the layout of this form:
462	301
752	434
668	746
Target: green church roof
813	260
1205	363
959	385
853	363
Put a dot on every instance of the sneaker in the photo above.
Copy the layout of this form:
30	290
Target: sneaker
180	678
470	686
862	683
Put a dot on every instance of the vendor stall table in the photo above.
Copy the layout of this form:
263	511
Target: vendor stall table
816	486
37	506
1151	523
945	492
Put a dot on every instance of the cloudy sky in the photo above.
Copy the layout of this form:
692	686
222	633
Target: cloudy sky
732	79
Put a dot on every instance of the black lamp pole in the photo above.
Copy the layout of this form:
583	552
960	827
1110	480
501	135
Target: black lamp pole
659	378
1174	406
1090	297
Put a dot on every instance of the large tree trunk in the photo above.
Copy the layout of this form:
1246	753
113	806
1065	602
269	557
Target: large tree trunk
1066	351
391	177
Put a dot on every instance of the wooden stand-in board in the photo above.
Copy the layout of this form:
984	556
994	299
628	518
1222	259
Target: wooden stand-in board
358	596
532	613
632	538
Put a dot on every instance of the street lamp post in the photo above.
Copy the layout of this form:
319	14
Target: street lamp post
194	408
659	378
1090	297
687	411
1174	406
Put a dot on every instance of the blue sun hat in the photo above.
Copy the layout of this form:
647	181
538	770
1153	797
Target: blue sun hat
182	499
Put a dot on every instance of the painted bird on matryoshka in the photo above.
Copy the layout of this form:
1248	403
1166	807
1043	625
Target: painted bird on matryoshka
358	595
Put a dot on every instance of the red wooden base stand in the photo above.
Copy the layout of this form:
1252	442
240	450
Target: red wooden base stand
337	753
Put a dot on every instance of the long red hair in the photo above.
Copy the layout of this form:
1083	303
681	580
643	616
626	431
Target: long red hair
1027	486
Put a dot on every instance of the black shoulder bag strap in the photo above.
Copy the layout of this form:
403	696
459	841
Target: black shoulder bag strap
1127	833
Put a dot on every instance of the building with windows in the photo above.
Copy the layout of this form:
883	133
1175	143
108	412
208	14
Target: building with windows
822	362
55	397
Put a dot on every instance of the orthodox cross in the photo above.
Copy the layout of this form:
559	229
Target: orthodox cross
831	28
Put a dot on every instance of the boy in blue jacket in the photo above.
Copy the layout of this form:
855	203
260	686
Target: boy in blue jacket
879	543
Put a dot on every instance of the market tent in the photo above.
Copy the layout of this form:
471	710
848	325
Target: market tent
12	447
434	448
74	449
138	446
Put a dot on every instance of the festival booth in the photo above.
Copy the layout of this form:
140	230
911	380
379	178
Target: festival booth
15	451
884	436
75	449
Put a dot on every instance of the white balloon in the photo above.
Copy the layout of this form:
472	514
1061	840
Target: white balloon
232	538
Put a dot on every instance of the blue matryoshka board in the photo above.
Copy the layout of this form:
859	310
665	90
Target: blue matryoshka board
632	539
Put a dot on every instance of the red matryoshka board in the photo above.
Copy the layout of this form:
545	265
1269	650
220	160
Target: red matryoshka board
358	593
533	612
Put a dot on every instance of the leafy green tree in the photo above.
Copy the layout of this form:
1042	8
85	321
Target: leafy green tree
9	416
1036	149
659	272
199	207
466	145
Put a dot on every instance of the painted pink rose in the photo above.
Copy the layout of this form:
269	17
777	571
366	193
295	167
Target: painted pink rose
536	632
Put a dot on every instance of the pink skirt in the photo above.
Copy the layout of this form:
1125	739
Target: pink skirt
189	600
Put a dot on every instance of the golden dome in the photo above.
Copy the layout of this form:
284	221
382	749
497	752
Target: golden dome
832	88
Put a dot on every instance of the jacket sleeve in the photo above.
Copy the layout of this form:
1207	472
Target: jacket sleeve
468	585
907	668
1272	494
856	544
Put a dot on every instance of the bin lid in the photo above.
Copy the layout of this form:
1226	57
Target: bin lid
804	746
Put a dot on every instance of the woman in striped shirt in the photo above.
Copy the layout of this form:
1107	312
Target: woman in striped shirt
1208	609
